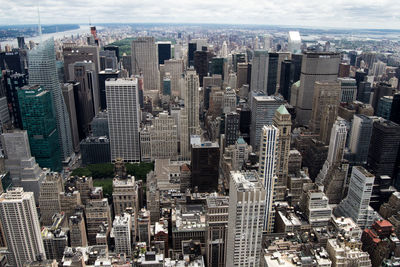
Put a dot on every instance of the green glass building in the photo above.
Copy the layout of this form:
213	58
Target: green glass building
39	120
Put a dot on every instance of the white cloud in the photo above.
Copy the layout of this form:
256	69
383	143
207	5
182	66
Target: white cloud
315	13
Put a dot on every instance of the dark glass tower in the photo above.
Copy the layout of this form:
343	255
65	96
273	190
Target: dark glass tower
13	82
201	64
191	49
272	73
164	51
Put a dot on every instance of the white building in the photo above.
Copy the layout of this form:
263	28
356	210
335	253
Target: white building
164	137
229	104
123	118
175	69
356	204
348	92
267	171
145	61
294	42
20	224
245	220
122	231
315	205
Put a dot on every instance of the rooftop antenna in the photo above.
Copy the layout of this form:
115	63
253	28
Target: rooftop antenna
39	25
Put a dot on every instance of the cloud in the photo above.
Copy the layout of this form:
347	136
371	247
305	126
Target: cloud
315	13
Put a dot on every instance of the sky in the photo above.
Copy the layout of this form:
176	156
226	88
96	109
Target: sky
382	14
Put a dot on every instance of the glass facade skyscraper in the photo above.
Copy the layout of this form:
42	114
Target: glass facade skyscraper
39	120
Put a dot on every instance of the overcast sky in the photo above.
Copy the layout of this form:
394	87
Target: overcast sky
314	13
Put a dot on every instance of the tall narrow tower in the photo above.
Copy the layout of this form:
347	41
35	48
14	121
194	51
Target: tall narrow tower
192	98
43	71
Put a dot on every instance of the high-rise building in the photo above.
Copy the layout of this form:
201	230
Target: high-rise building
164	137
108	60
77	230
12	83
315	67
344	70
364	92
205	166
326	99
104	75
122	229
356	204
40	122
69	98
294	42
164	51
175	69
267	171
23	169
113	48
315	205
123	119
49	198
229	101
97	213
217	230
145	61
282	121
247	199
384	107
242	74
381	89
273	62
262	112
20	221
286	79
43	71
231	128
125	195
361	131
200	64
192	101
348	90
192	47
395	109
84	74
384	146
259	71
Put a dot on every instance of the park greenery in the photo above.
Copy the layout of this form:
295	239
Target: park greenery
103	173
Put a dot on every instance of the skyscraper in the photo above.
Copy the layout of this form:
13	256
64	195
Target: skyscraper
145	61
122	228
361	131
282	121
175	69
200	64
267	171
69	98
192	101
356	204
273	59
164	137
39	120
19	218
348	90
164	51
13	82
49	198
315	67
103	76
259	71
43	71
231	128
247	199
294	42
123	119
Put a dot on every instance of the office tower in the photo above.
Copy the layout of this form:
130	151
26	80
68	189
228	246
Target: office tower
262	112
200	63
84	74
70	200
164	137
108	60
192	101
259	71
175	69
314	204
294	42
95	150
145	61
125	195
205	166
348	90
224	50
69	98
272	75
344	70
395	109
99	124
383	149
164	51
73	53
21	42
282	121
14	60
97	213
242	69
231	128
77	230
247	199
13	82
192	47
217	66
126	62
361	131
103	76
286	79
123	119
55	239
143	226
315	67
360	76
282	56
184	137
23	169
364	92
166	86
356	204
267	171
113	48
4	113
229	100
326	97
378	68
217	230
42	71
381	89
49	197
384	107
39	120
122	229
19	217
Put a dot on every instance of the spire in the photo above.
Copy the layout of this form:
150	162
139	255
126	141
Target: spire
39	25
